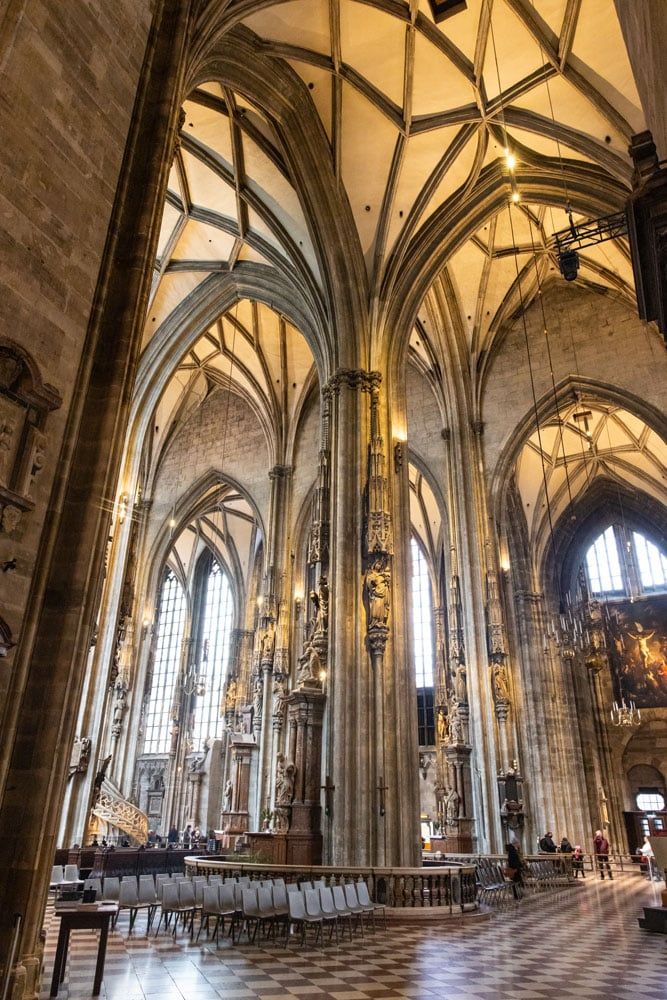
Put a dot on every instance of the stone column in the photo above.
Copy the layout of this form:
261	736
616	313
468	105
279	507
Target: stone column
73	549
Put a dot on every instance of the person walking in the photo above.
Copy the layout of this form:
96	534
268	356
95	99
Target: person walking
647	853
601	846
515	867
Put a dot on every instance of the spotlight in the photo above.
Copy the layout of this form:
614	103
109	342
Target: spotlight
569	264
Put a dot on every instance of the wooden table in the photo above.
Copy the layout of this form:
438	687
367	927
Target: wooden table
81	916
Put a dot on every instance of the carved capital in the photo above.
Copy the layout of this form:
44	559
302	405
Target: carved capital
353	378
280	472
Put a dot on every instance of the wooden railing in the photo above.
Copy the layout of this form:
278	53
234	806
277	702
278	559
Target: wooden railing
449	887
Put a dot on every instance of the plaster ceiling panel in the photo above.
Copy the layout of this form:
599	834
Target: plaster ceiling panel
174	183
437	84
367	148
553	12
199	241
572	108
461	28
514	227
318	82
298	22
210	127
172	289
466	267
600	55
609	256
418	345
258	225
212	87
276	193
634	425
422	154
503	272
374	45
242	533
170	217
247	253
207	188
457	174
184	547
511	52
655	444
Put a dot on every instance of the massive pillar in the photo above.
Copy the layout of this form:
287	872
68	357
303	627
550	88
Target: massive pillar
72	554
372	797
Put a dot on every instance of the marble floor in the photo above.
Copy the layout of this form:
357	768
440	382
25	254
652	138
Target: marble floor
583	942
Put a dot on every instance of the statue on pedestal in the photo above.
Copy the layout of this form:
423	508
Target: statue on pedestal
377	586
452	807
229	791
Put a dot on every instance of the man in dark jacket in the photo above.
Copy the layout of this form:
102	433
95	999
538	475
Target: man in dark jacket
547	845
601	846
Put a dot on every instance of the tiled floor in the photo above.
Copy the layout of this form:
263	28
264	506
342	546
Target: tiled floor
584	942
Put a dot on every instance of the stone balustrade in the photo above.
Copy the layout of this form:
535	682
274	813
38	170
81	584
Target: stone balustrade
450	888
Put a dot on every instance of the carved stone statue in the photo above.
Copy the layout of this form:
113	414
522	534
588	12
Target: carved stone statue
377	583
257	700
229	791
230	694
460	684
501	690
320	600
279	697
456	734
309	665
7	428
452	806
285	783
268	643
442	726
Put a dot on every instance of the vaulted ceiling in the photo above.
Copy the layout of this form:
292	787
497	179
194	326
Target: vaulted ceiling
586	441
412	123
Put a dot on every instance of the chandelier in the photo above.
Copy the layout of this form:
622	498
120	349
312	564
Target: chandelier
625	714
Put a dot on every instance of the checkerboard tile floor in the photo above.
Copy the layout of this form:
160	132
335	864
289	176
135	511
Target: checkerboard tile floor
583	943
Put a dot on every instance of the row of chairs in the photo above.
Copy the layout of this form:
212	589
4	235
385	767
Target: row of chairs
269	907
64	875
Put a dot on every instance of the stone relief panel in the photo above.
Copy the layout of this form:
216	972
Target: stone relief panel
25	402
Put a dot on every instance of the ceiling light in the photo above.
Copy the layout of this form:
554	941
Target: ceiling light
510	160
516	196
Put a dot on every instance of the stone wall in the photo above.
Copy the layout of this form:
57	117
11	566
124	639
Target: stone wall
68	77
204	443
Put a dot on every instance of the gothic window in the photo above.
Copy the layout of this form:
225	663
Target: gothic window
650	800
603	565
424	650
215	630
169	638
621	562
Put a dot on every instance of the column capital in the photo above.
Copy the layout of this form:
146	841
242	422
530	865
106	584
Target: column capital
280	472
353	378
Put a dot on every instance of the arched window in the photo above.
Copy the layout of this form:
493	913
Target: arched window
424	649
170	624
215	629
621	562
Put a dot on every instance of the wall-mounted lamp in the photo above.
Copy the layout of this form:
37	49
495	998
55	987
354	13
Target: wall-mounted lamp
505	565
260	600
123	504
398	455
298	599
323	675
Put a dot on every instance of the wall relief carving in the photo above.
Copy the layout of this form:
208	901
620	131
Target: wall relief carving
25	402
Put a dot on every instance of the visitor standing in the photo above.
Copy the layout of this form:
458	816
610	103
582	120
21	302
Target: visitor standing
601	846
547	845
647	852
578	861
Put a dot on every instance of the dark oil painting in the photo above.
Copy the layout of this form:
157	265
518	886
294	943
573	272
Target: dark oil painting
637	644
